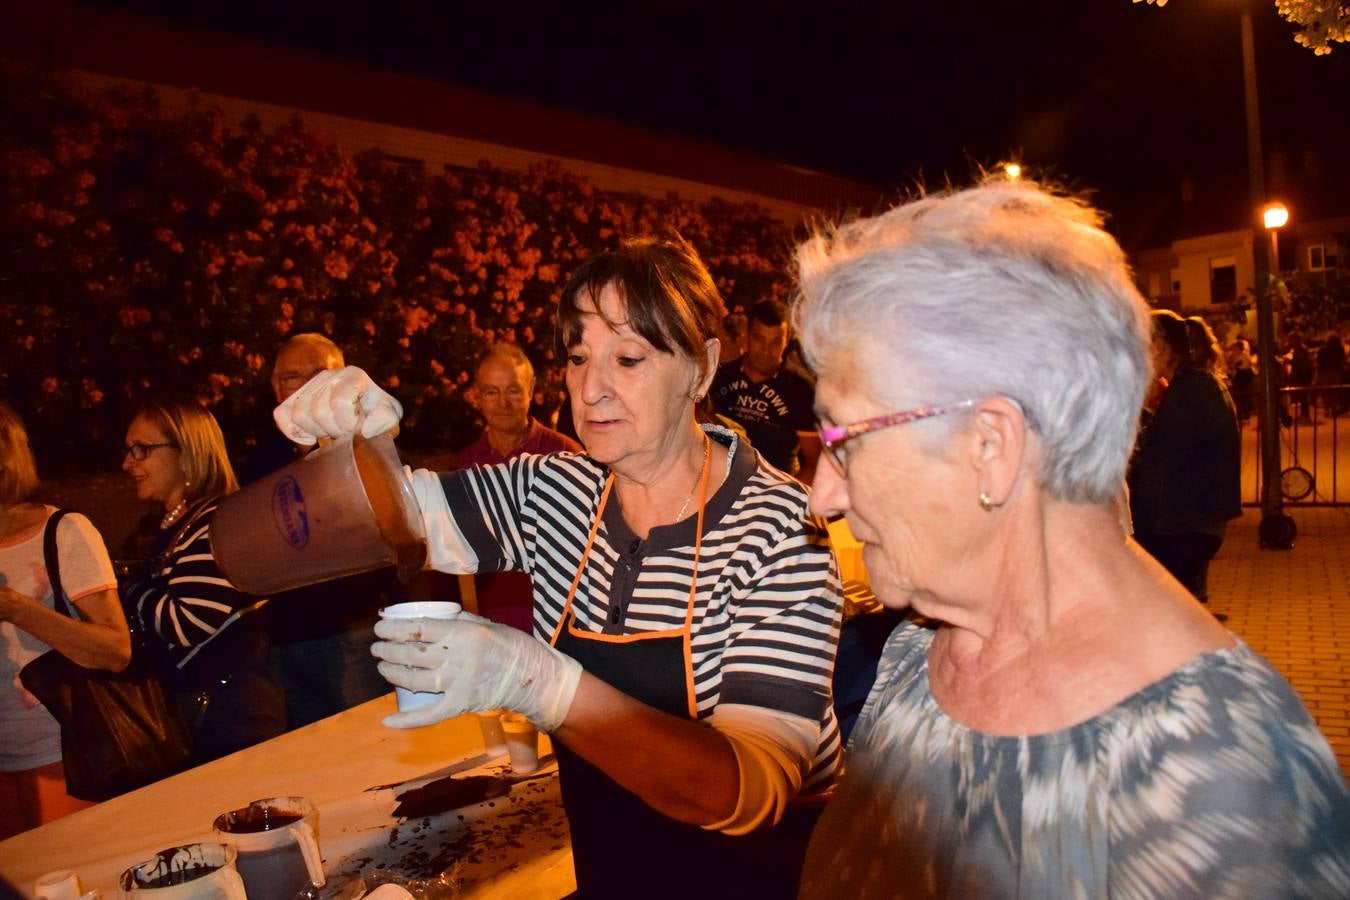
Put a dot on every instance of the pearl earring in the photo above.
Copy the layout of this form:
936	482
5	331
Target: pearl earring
986	502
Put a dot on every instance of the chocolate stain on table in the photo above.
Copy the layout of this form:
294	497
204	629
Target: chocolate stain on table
524	818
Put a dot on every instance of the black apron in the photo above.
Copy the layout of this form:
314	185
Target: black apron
621	847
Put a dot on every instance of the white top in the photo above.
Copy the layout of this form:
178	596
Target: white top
29	736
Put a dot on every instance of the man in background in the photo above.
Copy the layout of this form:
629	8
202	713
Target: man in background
298	360
770	400
321	634
503	385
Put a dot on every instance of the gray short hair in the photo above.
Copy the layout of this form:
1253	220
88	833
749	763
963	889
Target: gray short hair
322	347
510	354
1002	289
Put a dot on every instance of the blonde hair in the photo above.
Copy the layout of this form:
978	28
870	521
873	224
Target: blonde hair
18	470
191	428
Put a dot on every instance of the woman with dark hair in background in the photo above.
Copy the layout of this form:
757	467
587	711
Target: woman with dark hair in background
32	781
203	634
1186	477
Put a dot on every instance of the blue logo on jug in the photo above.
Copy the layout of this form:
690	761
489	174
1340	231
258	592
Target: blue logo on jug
288	511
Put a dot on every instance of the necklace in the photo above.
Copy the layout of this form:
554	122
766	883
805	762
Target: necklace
707	449
172	515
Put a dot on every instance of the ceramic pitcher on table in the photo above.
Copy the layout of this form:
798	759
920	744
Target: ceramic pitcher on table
278	844
204	871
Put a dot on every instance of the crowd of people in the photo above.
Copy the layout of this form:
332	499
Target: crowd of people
1312	373
1058	715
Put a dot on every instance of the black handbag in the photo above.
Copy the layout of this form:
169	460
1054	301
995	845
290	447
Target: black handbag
119	730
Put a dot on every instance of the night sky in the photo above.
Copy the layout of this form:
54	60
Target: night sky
1121	98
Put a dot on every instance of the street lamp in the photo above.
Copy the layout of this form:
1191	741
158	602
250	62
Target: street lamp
1012	170
1275	216
1277	530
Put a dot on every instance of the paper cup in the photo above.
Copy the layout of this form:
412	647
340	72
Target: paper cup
62	884
522	743
494	738
419	609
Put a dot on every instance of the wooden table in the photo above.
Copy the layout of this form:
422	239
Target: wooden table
354	770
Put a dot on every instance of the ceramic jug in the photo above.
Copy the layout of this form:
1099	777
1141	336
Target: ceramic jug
278	844
339	510
204	871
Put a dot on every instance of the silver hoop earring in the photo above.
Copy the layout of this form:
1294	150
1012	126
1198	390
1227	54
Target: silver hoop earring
986	502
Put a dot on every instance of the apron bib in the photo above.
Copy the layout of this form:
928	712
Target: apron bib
621	847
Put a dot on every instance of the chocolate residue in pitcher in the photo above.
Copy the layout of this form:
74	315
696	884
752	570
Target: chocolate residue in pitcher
445	794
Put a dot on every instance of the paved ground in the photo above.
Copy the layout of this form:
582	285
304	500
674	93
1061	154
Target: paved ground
1293	607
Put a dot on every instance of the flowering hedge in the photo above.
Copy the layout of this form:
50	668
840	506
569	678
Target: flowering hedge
147	251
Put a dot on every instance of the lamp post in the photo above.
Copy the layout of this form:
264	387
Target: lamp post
1277	530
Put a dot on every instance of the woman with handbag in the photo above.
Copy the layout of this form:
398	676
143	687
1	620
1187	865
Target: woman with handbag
32	781
203	635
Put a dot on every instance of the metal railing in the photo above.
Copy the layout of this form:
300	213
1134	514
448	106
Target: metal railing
1314	422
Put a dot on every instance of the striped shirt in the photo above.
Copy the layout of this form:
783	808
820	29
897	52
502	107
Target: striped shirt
768	604
180	596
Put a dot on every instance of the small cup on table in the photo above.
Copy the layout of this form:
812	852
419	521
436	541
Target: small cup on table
494	737
522	743
63	884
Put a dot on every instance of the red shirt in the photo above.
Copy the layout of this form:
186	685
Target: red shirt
538	439
505	597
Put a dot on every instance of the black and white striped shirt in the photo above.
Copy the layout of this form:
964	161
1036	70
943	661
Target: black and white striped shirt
768	603
180	598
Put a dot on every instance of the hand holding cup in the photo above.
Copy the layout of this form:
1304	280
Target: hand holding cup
475	665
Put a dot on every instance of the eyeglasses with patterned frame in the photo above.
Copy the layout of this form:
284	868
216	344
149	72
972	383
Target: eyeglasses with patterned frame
139	451
834	437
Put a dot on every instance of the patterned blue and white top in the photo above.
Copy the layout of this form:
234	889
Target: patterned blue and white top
1213	782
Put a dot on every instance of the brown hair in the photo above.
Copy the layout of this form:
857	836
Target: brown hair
667	293
18	471
191	428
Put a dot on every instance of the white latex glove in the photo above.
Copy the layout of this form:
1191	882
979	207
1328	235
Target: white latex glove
478	665
333	404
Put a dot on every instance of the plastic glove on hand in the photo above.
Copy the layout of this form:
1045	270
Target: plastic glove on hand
333	404
477	665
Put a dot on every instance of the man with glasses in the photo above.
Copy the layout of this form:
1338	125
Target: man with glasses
321	634
298	360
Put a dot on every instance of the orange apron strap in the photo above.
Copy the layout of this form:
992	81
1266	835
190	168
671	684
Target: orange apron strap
585	555
693	585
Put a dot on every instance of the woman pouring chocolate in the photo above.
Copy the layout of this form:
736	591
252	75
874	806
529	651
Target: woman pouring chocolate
685	608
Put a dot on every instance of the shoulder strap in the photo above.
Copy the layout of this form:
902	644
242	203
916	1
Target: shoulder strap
50	560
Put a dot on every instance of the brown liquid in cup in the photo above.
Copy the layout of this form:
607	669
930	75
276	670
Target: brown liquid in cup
257	819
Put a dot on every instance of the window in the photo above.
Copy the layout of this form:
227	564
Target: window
1175	276
1317	259
1222	280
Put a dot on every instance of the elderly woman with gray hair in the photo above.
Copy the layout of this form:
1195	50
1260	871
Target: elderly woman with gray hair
1066	721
